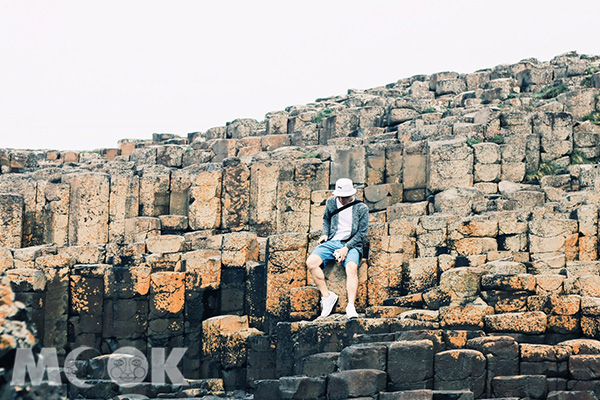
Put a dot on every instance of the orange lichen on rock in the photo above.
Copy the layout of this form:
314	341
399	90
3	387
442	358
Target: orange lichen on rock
167	292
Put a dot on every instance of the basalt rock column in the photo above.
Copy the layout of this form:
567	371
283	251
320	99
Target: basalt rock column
53	205
286	269
236	195
265	177
26	187
154	191
204	208
87	305
124	203
11	220
89	208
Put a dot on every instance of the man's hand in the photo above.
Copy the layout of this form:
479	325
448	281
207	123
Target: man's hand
322	239
340	254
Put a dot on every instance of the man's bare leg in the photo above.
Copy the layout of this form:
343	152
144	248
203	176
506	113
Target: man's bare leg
313	263
351	281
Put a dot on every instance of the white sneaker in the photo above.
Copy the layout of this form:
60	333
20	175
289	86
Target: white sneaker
351	311
327	304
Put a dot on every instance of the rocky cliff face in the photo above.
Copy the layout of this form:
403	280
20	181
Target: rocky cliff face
481	276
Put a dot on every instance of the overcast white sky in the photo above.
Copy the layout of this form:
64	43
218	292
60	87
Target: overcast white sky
83	74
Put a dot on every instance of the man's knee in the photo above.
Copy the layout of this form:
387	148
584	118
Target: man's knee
351	268
313	262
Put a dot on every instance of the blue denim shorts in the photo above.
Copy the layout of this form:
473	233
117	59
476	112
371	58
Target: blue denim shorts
325	252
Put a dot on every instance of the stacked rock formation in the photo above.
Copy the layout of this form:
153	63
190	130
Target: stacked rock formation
481	278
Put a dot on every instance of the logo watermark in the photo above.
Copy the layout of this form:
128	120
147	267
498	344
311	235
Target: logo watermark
126	366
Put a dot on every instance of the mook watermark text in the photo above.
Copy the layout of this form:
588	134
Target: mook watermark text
126	366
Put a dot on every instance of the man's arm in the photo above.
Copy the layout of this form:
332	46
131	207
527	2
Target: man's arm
326	220
363	227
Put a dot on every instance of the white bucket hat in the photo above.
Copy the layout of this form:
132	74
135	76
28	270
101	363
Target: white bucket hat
344	188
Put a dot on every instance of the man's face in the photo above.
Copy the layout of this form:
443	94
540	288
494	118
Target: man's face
345	200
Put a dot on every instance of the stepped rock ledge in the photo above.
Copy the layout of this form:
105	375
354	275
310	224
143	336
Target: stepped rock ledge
481	276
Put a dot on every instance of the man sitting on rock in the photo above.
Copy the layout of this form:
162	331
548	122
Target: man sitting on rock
345	225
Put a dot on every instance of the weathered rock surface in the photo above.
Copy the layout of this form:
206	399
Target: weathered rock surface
480	275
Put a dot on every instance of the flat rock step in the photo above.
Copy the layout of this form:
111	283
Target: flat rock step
106	388
428	394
